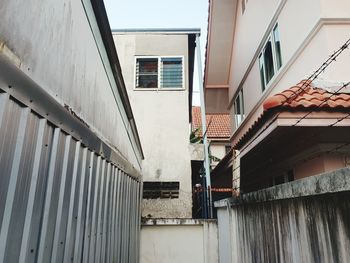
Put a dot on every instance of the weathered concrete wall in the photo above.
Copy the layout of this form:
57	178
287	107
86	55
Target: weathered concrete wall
70	181
162	120
303	221
179	240
56	47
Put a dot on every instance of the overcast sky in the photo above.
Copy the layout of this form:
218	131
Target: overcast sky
124	14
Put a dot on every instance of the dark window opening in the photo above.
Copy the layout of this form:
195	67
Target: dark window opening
268	59
147	73
277	41
154	190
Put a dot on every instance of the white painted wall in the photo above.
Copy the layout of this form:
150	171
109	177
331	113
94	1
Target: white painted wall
56	48
309	30
218	150
162	120
175	241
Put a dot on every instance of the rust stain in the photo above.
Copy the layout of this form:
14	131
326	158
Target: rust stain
70	110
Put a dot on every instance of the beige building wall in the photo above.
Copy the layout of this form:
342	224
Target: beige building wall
162	118
218	150
326	162
175	241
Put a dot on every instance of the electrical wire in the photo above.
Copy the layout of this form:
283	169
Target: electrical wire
301	89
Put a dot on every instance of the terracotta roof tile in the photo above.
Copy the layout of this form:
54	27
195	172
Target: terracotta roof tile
304	96
219	124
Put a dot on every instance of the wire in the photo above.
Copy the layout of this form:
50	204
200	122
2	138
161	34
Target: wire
302	88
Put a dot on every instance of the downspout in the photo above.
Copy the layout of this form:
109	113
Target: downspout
204	128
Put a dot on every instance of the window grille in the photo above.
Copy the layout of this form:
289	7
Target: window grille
154	190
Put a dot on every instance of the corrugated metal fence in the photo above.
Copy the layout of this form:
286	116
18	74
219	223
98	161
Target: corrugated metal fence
60	201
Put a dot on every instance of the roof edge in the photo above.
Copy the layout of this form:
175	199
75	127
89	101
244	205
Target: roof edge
107	38
158	30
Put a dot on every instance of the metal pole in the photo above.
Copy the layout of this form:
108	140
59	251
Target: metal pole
204	127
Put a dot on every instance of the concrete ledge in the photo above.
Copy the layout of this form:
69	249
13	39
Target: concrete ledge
175	221
336	181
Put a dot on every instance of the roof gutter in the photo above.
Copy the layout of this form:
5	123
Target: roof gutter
107	38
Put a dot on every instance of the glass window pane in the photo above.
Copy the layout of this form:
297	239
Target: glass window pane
276	37
147	65
147	81
171	73
147	73
241	102
262	76
239	109
238	105
268	61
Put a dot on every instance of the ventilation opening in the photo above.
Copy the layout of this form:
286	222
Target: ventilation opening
153	190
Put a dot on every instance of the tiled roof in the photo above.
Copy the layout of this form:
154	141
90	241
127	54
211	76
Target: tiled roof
219	124
302	97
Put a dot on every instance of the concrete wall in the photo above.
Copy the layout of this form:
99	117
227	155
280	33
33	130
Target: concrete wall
216	100
70	181
55	46
175	241
302	221
162	120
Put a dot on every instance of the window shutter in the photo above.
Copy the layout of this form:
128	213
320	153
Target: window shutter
171	73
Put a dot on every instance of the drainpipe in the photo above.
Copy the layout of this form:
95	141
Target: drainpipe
204	128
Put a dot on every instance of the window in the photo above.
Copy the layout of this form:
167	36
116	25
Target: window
154	190
239	108
276	38
147	73
270	59
159	73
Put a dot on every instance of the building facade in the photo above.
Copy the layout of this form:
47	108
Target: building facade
158	71
258	49
218	133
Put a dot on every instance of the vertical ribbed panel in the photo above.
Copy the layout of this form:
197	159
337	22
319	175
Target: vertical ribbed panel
59	201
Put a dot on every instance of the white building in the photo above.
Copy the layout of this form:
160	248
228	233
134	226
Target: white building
158	71
259	48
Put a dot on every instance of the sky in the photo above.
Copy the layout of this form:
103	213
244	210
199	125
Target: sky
123	14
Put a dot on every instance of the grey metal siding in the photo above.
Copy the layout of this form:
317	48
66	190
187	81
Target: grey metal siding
59	200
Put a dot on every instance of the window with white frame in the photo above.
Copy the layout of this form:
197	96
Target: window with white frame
270	59
239	108
159	73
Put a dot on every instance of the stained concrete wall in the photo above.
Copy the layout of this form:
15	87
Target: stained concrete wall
303	221
162	120
55	46
174	241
